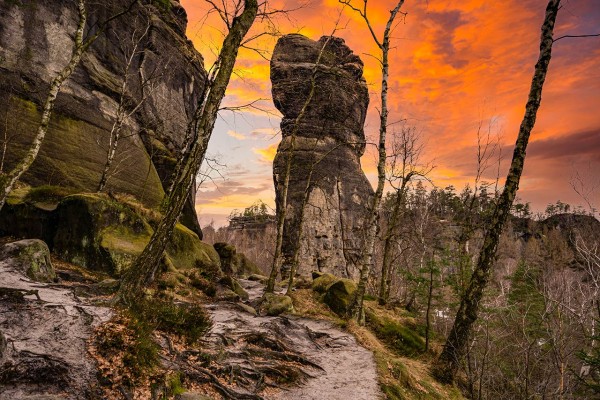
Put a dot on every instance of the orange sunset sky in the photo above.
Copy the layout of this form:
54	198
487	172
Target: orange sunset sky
455	64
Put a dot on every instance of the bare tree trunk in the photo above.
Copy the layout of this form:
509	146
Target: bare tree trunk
455	347
8	180
385	283
356	307
142	272
429	298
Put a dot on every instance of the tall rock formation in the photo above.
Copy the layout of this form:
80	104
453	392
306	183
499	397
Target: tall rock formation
329	141
36	39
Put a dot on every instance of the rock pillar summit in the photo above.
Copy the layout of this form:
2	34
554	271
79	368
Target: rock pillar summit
329	141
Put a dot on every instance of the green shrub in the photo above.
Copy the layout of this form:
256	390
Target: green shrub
185	319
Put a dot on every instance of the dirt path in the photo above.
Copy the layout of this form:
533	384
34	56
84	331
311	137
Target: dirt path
341	369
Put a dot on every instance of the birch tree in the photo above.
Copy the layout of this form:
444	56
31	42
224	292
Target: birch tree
404	167
198	135
133	49
456	345
383	44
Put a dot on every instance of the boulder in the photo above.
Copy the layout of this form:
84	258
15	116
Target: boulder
227	254
328	143
99	233
30	256
276	304
235	263
321	284
234	285
339	295
258	278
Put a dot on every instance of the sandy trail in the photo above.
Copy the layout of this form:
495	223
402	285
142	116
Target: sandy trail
348	370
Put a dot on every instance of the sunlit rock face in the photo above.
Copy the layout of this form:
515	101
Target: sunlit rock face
36	42
325	121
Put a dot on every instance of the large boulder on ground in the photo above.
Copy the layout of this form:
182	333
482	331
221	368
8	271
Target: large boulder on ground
233	262
321	283
234	285
99	233
325	126
276	304
30	256
339	295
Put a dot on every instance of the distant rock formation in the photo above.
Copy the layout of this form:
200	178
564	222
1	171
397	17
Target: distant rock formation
330	140
36	40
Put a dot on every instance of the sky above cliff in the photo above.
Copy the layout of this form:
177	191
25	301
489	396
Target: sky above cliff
455	66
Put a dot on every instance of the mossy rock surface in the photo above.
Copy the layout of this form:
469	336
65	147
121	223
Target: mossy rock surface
234	285
339	295
233	262
276	304
403	339
258	278
317	274
99	233
186	251
32	257
246	266
321	283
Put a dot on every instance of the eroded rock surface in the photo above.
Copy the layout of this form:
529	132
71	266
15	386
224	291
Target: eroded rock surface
329	141
36	39
45	329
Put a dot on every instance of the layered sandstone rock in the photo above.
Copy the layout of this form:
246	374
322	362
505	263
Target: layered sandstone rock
36	40
329	141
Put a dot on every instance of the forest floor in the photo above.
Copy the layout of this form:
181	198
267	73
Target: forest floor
51	335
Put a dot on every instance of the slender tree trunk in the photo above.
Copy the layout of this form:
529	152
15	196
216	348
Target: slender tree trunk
142	272
429	298
356	307
390	236
455	347
8	180
122	113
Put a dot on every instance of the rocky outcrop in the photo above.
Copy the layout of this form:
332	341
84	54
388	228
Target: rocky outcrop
100	233
31	257
47	328
36	39
329	141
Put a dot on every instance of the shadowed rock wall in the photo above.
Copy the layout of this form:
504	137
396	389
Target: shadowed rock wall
36	40
329	141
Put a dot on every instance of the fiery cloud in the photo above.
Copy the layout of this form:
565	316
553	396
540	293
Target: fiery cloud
455	63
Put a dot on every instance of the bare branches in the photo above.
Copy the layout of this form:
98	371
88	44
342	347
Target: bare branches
356	308
575	36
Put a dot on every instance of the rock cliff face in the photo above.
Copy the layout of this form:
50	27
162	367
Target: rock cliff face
36	40
329	140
